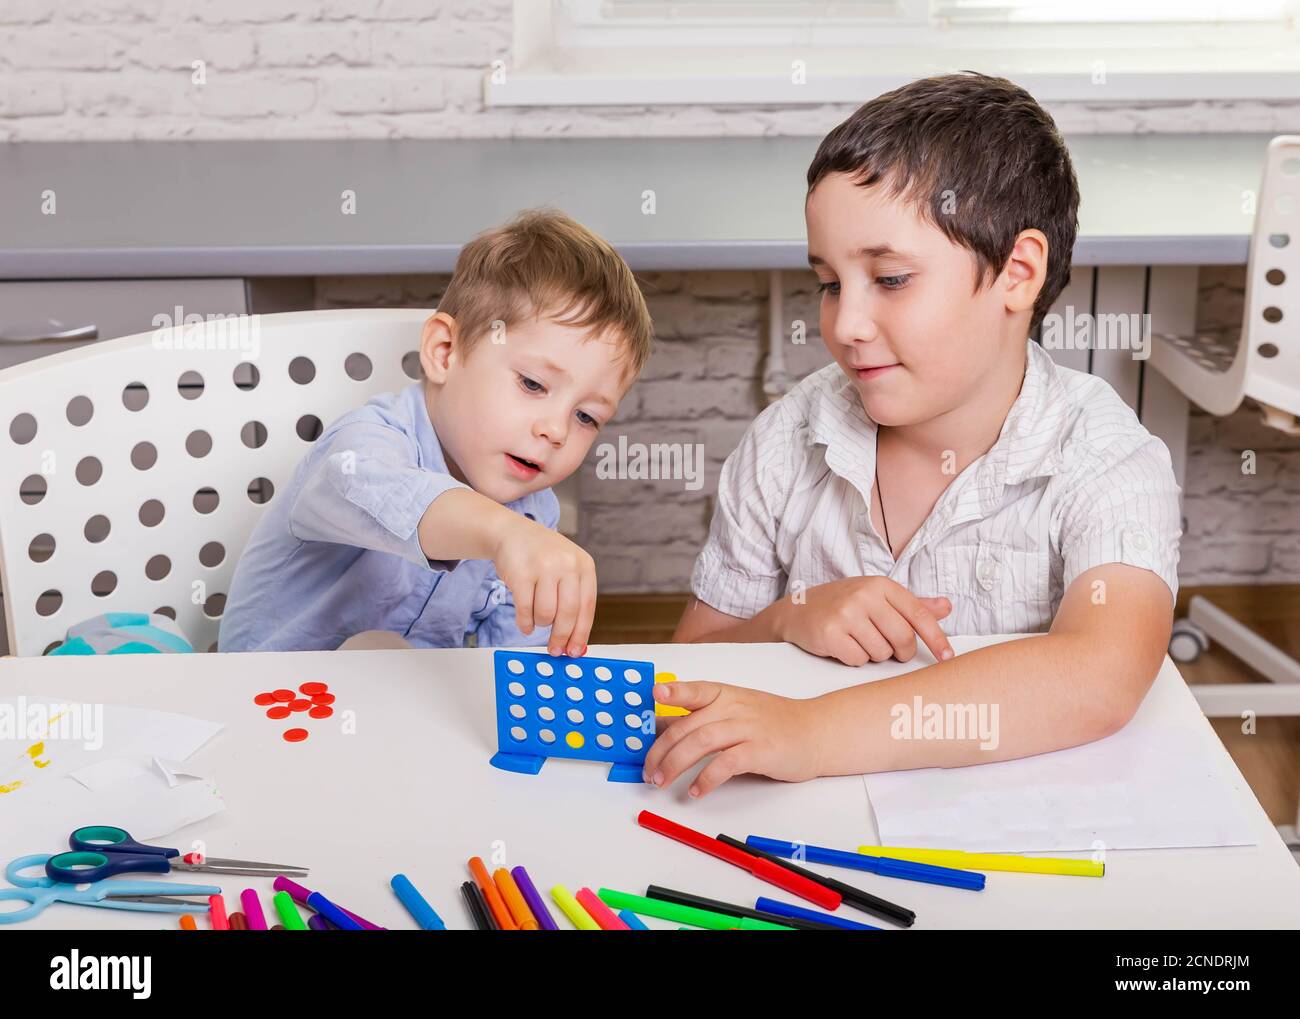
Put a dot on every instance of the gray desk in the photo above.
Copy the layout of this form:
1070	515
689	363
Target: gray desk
272	208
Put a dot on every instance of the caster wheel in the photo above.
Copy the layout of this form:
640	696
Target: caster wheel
1187	641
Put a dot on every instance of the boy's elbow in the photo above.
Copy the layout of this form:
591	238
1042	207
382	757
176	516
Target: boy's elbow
1123	698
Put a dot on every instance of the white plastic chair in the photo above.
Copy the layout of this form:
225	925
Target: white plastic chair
229	407
1264	365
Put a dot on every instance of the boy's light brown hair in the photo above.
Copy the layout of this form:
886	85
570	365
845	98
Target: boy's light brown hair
977	157
544	263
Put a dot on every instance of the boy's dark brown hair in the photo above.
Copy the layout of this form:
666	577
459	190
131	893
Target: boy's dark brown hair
544	263
982	147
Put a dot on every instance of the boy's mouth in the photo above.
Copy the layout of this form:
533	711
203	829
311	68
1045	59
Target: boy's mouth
525	469
872	371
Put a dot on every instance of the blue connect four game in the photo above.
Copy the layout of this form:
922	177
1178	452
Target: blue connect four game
590	709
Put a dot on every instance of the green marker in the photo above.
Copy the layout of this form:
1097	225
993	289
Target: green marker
684	914
288	912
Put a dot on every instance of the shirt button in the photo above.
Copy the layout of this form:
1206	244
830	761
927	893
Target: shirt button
1140	540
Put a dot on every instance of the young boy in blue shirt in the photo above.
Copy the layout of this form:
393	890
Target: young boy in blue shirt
429	513
944	468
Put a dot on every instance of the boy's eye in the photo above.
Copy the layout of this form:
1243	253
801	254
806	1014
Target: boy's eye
828	288
531	385
587	419
894	282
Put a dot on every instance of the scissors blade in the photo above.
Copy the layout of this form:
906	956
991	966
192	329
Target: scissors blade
195	902
278	867
209	868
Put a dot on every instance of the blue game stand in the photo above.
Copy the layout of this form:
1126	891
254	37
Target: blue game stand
589	709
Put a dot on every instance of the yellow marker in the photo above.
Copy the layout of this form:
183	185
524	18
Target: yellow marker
668	710
514	900
963	860
578	916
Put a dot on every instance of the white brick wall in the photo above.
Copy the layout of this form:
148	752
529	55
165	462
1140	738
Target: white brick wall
116	69
703	385
121	69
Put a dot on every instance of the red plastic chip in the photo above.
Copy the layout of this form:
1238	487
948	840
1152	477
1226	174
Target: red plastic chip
283	695
295	735
277	712
299	704
322	698
311	688
264	699
321	711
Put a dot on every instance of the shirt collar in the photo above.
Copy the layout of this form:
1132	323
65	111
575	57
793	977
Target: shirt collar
430	453
1028	446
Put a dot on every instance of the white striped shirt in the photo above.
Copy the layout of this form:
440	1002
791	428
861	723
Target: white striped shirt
1073	481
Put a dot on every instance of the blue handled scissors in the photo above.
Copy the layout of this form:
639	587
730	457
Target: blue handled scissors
100	851
147	896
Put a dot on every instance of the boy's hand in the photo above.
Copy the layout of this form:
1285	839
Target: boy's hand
748	730
553	582
864	619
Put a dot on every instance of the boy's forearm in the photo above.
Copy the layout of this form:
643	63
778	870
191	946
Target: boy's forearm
763	628
462	524
1014	699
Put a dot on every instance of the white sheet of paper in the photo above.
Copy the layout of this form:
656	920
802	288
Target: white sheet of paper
175	771
1149	786
145	806
104	774
101	771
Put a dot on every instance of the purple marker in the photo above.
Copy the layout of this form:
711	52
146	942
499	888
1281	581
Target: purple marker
317	922
336	914
253	910
535	903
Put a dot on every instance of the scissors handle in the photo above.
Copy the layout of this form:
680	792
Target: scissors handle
34	897
80	868
107	838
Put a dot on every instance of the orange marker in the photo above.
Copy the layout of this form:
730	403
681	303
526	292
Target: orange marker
188	924
514	899
489	890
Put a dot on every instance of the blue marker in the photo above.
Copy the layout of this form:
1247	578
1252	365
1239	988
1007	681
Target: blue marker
799	913
881	865
632	920
420	911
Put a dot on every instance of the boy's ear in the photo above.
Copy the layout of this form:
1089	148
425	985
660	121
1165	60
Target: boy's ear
1026	270
439	346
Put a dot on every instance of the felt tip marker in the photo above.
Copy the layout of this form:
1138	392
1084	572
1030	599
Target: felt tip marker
763	869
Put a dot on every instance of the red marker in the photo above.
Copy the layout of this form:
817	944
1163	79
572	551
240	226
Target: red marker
764	870
217	908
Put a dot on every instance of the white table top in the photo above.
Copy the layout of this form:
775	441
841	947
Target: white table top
412	791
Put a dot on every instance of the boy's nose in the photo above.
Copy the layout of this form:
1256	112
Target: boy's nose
550	429
855	323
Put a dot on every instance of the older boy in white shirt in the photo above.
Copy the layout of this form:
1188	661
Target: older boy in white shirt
943	469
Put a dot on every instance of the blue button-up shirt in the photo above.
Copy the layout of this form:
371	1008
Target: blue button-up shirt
338	551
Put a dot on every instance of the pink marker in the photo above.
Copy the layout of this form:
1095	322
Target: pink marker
600	912
253	910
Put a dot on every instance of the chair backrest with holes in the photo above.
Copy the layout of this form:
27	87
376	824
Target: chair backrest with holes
135	469
1272	323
